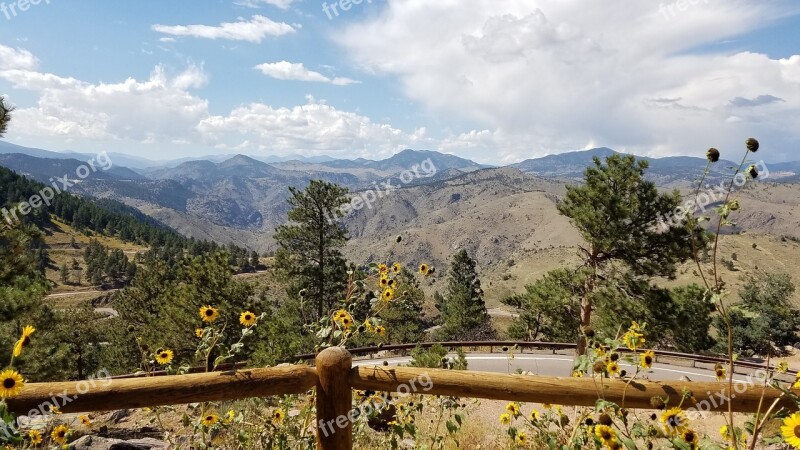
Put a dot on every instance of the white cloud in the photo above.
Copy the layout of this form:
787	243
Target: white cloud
313	128
16	58
254	30
282	4
285	70
159	109
544	75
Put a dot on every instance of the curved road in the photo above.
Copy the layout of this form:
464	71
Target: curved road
561	366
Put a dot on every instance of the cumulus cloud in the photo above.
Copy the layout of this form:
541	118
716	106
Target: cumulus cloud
538	76
285	70
254	30
17	58
313	128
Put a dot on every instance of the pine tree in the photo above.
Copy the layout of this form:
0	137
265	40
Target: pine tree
620	217
5	116
64	274
309	254
464	314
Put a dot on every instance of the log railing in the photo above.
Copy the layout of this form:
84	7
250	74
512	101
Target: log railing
334	378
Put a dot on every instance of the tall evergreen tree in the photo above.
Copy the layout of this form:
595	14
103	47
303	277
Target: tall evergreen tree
464	314
309	254
620	217
5	116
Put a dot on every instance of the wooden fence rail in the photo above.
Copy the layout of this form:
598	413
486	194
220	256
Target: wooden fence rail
334	378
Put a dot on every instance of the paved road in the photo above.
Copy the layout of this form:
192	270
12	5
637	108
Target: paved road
561	365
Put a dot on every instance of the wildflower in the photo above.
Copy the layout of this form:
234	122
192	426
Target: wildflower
35	437
392	283
209	314
513	409
782	367
724	431
752	171
674	421
577	374
796	384
605	433
734	205
791	430
277	416
613	369
199	332
85	420
384	282
690	437
633	339
647	358
55	410
547	406
247	319
521	438
505	419
383	268
752	145
24	340
720	372
396	267
59	434
164	357
424	269
380	330
209	420
605	419
388	295
534	415
12	383
229	417
712	155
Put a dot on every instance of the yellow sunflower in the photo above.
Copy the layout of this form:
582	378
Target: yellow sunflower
35	437
613	369
229	417
209	419
86	421
199	332
521	438
424	269
647	359
690	437
247	319
720	372
12	383
791	430
505	419
277	416
59	434
392	283
605	433
513	409
164	357
577	374
675	421
396	267
383	268
209	314
388	295
384	283
24	340
380	330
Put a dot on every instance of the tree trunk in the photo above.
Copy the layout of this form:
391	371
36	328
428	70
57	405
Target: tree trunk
586	321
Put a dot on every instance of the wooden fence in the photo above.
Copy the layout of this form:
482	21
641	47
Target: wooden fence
334	378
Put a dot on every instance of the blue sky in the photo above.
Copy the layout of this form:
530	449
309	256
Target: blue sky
496	81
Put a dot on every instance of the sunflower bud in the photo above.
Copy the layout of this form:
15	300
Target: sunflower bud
752	145
734	205
605	419
588	332
713	155
599	367
657	403
753	171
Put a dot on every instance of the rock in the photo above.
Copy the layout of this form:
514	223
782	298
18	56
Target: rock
99	443
118	416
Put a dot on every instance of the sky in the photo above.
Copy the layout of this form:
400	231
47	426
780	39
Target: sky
495	81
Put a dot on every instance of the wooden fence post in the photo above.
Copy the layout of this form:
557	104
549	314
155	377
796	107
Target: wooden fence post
334	400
